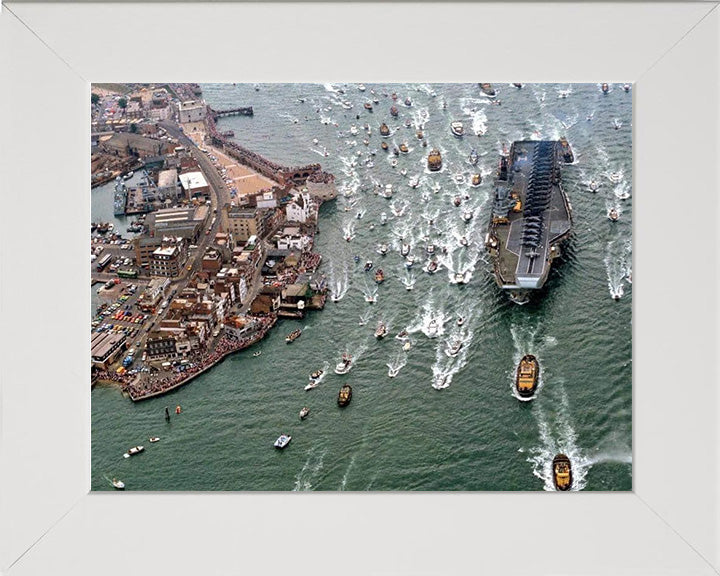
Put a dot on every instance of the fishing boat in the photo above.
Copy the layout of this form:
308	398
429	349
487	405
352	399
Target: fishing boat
381	331
457	129
473	158
368	106
379	276
605	88
562	472
527	375
368	266
282	441
154	439
487	89
393	111
434	161
476	180
343	367
304	412
566	151
134	450
294	335
613	215
344	396
404	148
118	484
384	130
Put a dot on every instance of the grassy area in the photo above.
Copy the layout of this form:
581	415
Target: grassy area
117	88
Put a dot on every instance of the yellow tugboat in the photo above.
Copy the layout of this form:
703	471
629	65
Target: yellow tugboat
344	396
526	376
434	160
384	130
562	472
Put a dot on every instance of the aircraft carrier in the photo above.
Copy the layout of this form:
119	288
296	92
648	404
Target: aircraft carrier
531	215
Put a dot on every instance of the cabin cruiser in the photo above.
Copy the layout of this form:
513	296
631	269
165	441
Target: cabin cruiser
154	439
383	218
615	177
304	412
384	130
457	128
404	249
388	191
613	215
605	88
473	158
344	396
434	161
118	484
294	335
562	472
343	367
393	111
282	441
526	376
476	180
379	276
453	350
134	450
433	328
414	182
381	331
368	265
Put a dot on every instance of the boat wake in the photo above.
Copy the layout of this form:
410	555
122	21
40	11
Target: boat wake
370	293
446	366
343	483
339	283
365	318
349	230
618	262
396	364
558	437
430	322
310	470
408	280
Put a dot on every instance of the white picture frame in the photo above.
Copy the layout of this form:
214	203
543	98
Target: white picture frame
51	524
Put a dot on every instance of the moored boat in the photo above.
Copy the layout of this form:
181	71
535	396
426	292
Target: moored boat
344	396
457	129
562	472
434	161
282	441
527	375
294	335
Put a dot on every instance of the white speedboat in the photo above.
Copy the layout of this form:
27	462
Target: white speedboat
343	367
430	249
414	182
454	349
432	329
282	441
409	261
431	267
593	186
404	249
361	87
388	191
403	172
118	484
256	354
304	412
383	218
613	215
463	241
382	249
459	278
310	385
461	320
154	439
134	450
393	371
407	346
467	216
457	128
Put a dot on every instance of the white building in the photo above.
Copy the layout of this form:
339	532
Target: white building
293	242
194	184
299	208
266	200
191	111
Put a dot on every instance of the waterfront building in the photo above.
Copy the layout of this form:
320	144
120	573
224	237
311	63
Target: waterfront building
194	184
299	208
191	111
106	347
161	345
243	223
267	302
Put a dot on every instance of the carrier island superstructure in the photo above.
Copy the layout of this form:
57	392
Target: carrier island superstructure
531	215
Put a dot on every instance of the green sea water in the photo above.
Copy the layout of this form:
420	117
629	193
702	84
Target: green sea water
400	433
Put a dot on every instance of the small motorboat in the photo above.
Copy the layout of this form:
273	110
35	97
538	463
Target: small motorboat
344	396
473	158
382	250
433	328
430	249
593	186
393	163
310	385
605	88
154	439
526	376
463	241
467	216
370	298
118	484
453	350
353	130
394	96
476	180
407	345
409	261
384	146
134	450
419	134
343	367
294	335
401	335
383	218
393	111
457	200
457	129
459	278
384	130
459	178
461	320
379	276
315	376
404	249
566	151
282	441
368	266
431	267
361	87
408	102
434	161
408	123
381	331
626	87
304	412
562	472
368	106
356	258
404	148
613	215
517	85
487	89
403	172
256	354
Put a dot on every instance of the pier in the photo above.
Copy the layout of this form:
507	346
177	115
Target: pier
246	111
